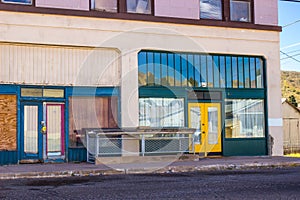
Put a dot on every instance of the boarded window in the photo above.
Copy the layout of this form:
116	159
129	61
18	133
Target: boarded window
89	113
8	122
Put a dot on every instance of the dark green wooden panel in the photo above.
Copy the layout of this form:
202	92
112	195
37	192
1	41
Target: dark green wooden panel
244	147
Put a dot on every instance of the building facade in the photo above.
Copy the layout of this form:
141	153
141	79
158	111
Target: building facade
66	66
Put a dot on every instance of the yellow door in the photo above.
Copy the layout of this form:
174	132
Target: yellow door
206	119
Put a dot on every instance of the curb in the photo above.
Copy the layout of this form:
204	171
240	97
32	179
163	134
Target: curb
153	170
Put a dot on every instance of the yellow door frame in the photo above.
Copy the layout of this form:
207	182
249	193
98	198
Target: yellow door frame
204	146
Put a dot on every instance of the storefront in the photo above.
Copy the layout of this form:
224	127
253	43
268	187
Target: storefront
222	96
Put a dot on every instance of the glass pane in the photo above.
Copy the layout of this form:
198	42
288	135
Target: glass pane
235	79
197	71
228	73
259	73
55	93
252	73
161	112
203	71
164	70
142	58
216	71
240	11
31	129
184	67
31	92
171	69
54	119
150	73
211	9
191	75
244	118
104	5
139	6
195	122
157	69
210	72
178	72
247	72
241	72
222	71
18	1
213	122
90	112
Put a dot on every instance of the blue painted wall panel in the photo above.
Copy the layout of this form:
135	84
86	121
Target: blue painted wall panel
77	155
8	157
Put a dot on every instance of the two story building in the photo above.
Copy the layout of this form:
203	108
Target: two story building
210	65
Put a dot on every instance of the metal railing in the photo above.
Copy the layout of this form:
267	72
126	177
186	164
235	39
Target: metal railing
137	144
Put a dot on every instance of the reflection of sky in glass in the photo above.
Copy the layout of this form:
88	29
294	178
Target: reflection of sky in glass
252	73
211	9
247	72
240	11
18	1
241	72
191	70
199	70
216	71
228	72
234	72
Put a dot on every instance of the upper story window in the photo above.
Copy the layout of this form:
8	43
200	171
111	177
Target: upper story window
240	10
211	9
105	5
18	1
139	6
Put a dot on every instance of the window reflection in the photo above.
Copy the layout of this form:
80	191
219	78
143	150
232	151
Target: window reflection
244	118
161	112
104	5
199	70
247	72
240	11
18	1
139	6
211	9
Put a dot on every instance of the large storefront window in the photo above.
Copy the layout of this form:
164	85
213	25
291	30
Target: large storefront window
199	70
244	118
161	112
90	113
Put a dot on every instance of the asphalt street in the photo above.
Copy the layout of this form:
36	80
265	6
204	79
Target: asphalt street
282	183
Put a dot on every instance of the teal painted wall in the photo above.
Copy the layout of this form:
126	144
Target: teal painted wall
8	157
245	147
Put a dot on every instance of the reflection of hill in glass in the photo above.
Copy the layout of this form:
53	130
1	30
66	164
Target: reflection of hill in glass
170	81
290	84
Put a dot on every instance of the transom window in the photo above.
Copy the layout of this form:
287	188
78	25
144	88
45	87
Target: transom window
199	70
17	1
138	6
240	10
211	9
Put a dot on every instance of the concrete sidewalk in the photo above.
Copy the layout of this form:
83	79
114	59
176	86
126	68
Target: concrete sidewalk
86	169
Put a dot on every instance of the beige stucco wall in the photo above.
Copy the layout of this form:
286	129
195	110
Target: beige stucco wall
131	36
